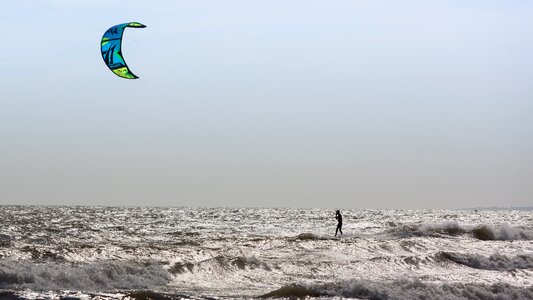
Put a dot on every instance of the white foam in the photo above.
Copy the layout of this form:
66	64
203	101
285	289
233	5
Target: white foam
99	276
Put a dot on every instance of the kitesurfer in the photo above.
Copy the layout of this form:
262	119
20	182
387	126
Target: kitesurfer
338	216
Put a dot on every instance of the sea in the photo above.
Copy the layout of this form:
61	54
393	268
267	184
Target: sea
77	252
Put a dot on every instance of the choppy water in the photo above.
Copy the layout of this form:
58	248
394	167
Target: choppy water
172	253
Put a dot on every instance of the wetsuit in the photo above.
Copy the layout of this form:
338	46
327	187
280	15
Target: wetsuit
339	225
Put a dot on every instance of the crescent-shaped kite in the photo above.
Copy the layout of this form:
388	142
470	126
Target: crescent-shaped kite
111	49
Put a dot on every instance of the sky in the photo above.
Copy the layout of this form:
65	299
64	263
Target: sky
331	104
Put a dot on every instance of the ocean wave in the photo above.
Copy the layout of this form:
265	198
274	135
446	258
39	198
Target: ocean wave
97	276
501	233
493	262
307	236
42	254
219	264
481	232
404	289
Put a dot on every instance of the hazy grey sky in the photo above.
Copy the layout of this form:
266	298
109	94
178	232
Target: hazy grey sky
360	104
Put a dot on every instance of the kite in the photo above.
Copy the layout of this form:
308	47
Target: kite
111	49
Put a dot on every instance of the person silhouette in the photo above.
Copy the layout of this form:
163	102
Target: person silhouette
338	216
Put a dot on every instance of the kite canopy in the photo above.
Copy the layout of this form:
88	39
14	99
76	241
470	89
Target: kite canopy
111	49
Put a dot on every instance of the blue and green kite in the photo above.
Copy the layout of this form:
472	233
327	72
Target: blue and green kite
111	49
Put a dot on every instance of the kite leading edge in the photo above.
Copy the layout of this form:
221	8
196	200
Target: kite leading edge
111	49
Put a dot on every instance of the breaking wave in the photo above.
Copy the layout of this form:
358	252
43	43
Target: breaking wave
103	275
502	233
404	290
220	264
481	232
493	262
309	237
